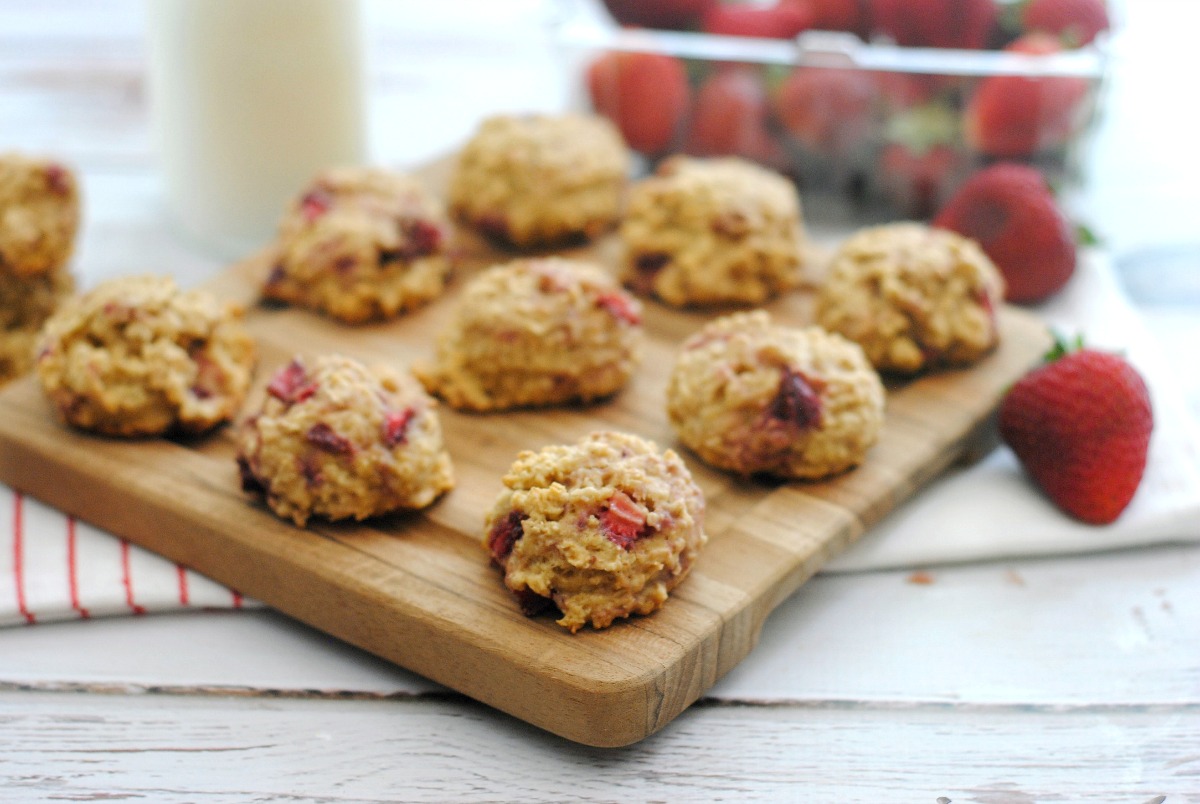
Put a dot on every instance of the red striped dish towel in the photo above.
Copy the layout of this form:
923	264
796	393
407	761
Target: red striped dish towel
53	567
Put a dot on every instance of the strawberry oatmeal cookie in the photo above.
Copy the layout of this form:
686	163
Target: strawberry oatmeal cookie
913	297
712	231
338	440
360	244
540	181
753	397
137	356
25	304
535	332
39	215
601	529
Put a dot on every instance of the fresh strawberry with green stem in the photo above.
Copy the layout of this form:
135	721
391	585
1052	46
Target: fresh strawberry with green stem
1080	426
1009	209
645	94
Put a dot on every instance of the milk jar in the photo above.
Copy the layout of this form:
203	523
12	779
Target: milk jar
249	99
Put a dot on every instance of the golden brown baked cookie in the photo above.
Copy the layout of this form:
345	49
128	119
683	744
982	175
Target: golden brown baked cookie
137	356
712	231
360	244
25	304
535	332
602	529
39	215
753	397
541	180
337	439
913	297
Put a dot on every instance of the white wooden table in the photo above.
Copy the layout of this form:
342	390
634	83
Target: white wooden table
1065	679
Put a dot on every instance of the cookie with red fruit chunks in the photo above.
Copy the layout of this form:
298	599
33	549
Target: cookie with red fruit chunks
1075	22
1080	425
646	95
965	24
536	332
1016	116
712	231
541	181
913	297
137	356
25	304
360	244
1009	210
757	398
337	439
39	215
601	529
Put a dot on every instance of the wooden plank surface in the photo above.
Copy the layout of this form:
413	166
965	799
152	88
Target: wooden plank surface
417	589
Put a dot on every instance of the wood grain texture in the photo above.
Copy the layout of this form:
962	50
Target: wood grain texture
164	748
417	589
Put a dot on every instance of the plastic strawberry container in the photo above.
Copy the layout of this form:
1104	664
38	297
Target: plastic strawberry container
866	129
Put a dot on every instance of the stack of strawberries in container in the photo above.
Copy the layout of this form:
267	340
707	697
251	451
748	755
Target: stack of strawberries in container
907	135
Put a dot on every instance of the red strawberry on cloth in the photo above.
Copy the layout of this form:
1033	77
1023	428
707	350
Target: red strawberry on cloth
1080	426
935	23
1016	115
1009	209
645	94
1075	22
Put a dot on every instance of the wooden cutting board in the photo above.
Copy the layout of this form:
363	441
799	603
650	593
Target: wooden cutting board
417	589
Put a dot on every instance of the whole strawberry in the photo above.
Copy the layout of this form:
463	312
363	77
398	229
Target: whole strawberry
1020	115
676	14
1075	22
1080	426
729	117
1009	209
935	23
645	94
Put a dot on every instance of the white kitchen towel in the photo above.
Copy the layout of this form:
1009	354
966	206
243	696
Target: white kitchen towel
53	567
993	511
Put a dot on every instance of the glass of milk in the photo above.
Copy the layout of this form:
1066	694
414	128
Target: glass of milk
249	99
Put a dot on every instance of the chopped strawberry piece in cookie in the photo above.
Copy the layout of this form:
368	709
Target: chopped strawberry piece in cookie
315	203
58	180
624	521
419	238
619	306
395	426
325	437
797	401
504	535
291	384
